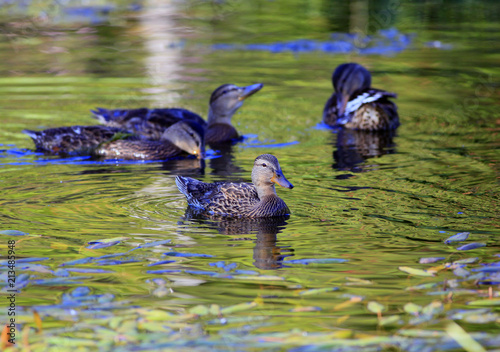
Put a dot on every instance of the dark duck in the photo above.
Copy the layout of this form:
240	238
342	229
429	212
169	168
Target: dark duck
224	102
241	200
356	105
116	143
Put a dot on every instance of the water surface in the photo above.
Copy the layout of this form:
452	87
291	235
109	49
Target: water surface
363	206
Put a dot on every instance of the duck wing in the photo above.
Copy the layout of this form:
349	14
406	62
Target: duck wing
148	122
222	198
74	139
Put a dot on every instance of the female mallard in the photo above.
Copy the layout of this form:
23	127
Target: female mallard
224	102
356	105
117	143
230	199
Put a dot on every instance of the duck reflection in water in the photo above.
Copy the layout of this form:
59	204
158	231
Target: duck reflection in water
352	148
267	254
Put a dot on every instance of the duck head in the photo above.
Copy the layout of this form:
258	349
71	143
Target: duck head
228	98
347	80
188	136
265	173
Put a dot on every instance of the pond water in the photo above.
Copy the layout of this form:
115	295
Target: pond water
108	258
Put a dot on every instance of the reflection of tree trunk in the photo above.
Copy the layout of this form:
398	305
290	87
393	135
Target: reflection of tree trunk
163	64
359	17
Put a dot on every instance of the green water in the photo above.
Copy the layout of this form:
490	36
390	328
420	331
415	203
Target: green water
376	202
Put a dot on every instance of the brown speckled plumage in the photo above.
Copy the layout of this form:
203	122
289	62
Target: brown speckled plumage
355	105
74	140
240	199
116	143
138	150
220	133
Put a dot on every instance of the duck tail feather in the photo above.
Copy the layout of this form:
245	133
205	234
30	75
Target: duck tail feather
33	134
102	115
181	183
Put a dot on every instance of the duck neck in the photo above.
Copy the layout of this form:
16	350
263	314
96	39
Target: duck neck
217	117
266	190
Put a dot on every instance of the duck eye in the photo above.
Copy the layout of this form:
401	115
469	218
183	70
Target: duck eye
264	165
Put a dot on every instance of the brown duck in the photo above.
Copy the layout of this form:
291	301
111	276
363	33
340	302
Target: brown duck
224	102
356	105
228	199
116	143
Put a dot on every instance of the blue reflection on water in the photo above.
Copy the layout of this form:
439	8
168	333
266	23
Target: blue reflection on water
385	42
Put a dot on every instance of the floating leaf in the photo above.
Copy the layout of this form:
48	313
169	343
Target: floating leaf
459	237
358	281
38	321
4	337
376	307
430	260
463	338
215	309
433	308
485	302
12	233
466	261
199	310
470	246
412	308
317	291
416	272
391	319
461	272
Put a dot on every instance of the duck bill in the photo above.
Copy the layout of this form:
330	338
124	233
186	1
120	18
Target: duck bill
199	153
249	90
280	179
341	104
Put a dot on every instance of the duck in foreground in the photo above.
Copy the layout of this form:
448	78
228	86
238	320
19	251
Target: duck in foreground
228	199
224	102
116	143
356	105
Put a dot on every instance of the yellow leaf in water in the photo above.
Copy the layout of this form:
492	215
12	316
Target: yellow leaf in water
463	338
416	272
38	321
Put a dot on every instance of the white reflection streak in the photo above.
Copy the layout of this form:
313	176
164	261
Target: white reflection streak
163	63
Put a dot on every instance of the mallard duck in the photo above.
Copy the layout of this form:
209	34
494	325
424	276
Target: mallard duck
117	143
224	102
356	105
230	199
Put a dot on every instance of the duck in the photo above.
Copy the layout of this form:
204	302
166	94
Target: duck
356	105
117	143
224	102
239	200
